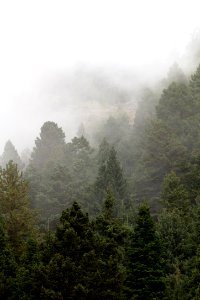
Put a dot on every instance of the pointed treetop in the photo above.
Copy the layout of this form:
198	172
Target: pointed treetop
176	74
104	149
10	154
50	146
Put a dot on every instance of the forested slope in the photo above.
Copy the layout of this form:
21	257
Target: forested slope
117	221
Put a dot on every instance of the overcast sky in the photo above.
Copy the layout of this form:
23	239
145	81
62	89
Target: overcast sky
45	37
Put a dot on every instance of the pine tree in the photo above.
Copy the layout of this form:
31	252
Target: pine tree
10	154
176	74
14	204
7	265
103	153
174	106
112	239
145	278
49	147
174	193
160	152
30	273
110	175
48	159
72	257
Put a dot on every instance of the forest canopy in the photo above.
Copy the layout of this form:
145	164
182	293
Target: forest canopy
117	218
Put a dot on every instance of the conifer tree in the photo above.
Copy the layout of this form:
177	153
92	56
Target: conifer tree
14	205
103	153
7	265
145	278
110	175
112	239
72	257
30	273
47	159
10	154
49	147
174	193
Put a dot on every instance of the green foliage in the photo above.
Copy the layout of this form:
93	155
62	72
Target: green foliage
168	140
110	175
30	273
77	258
174	193
160	152
14	204
7	265
103	153
117	131
146	273
50	146
112	240
64	175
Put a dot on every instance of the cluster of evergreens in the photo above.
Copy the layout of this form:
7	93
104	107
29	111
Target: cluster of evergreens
121	221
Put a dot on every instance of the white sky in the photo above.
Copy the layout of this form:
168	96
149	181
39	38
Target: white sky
40	37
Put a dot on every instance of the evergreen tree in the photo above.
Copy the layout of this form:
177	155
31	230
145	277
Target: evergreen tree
194	282
103	153
50	146
30	273
10	154
47	159
145	278
14	205
110	175
25	157
72	257
7	265
174	106
175	74
160	152
112	239
176	229
174	193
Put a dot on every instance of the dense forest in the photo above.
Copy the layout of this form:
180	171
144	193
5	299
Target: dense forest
120	220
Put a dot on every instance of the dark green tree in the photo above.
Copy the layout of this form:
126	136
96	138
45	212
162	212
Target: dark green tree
30	275
112	240
72	258
7	265
110	175
174	193
145	278
160	152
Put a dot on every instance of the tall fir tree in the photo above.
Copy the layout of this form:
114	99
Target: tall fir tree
112	240
50	146
10	154
110	175
15	206
145	274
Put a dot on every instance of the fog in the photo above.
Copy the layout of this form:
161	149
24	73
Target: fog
80	61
